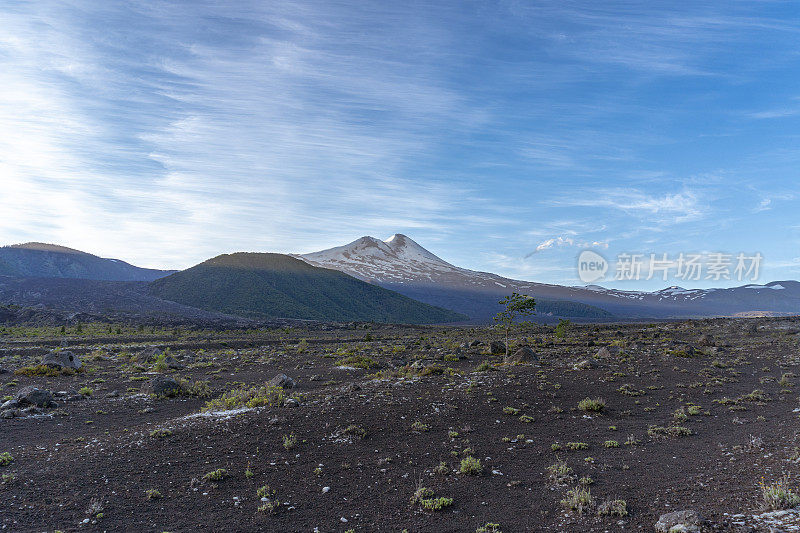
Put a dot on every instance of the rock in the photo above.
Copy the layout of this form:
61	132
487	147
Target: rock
172	363
164	386
3	370
148	355
497	348
62	359
10	404
283	381
113	394
586	364
291	402
686	521
10	413
32	395
603	353
475	344
706	340
524	355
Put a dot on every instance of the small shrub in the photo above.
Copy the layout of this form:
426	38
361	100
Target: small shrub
778	496
574	446
289	441
611	444
560	473
153	494
510	411
419	426
355	431
613	508
489	527
471	466
358	361
6	459
591	405
38	370
669	431
160	433
86	391
216	475
578	499
247	397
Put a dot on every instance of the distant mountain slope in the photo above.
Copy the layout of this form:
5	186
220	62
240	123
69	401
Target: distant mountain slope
402	265
262	285
39	260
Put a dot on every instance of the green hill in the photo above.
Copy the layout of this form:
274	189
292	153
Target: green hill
261	285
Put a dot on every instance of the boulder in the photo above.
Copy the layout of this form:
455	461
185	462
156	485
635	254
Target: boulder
32	395
10	404
172	363
475	344
62	359
164	386
283	381
586	364
686	521
148	355
706	340
497	348
524	355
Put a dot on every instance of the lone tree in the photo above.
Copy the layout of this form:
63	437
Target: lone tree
517	305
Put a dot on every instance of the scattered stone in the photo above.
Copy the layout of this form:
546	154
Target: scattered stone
283	381
32	395
686	521
62	359
524	355
164	386
497	348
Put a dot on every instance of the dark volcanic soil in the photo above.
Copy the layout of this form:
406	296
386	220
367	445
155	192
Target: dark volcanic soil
88	465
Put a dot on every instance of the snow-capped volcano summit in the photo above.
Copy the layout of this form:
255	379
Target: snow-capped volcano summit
402	265
398	259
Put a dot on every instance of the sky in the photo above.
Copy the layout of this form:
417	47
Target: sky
504	136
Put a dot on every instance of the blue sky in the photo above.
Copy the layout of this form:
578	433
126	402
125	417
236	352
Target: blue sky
503	136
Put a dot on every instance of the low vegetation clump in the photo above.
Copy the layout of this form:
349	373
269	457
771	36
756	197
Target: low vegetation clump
778	496
289	441
613	508
195	389
358	361
574	446
471	466
153	494
355	431
419	426
216	475
86	391
6	459
160	433
592	404
611	444
669	431
269	502
489	527
38	370
510	411
560	473
427	500
578	499
247	397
